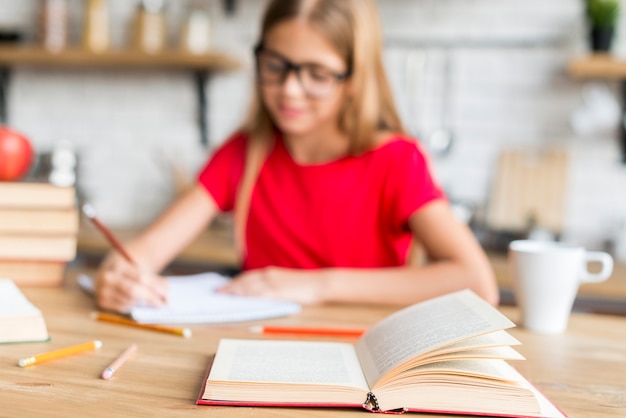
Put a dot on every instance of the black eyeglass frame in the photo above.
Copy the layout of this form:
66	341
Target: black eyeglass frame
290	66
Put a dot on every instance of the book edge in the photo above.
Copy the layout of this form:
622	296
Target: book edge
211	402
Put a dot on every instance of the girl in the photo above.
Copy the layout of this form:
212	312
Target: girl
327	190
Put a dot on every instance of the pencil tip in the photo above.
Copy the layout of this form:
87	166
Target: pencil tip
97	344
186	333
257	329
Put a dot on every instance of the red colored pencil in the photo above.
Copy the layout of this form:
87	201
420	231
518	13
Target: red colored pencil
314	331
90	212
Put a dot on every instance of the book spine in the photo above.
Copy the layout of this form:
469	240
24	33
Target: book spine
371	404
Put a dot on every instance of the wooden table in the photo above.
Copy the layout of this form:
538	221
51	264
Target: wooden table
214	248
582	371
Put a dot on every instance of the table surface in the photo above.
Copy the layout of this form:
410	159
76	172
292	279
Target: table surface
582	371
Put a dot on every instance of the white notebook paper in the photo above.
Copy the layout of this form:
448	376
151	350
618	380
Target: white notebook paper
192	300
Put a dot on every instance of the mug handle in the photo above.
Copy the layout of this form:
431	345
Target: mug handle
607	267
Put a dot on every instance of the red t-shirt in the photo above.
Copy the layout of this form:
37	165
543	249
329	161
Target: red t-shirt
351	212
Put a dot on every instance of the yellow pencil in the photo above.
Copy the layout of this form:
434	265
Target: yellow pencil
62	352
101	316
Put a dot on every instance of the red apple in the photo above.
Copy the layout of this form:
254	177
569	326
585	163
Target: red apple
16	154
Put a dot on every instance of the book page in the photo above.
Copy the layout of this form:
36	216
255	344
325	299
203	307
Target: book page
493	370
284	361
20	320
474	387
493	339
488	353
423	327
13	303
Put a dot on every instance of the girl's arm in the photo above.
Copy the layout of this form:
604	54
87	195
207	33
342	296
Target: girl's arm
456	261
121	285
157	246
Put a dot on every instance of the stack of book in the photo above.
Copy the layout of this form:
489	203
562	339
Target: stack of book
38	232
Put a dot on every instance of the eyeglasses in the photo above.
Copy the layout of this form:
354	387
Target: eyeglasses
316	80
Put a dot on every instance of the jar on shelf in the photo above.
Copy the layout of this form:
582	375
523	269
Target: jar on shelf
96	37
149	32
54	25
196	32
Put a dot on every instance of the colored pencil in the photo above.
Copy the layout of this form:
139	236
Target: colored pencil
101	316
118	362
316	331
90	212
62	352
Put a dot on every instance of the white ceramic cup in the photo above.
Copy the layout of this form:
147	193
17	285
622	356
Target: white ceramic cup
546	276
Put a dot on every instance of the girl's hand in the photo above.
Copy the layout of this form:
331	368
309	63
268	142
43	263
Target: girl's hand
300	286
120	285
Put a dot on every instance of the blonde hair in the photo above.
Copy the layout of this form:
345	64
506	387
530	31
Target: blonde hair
352	27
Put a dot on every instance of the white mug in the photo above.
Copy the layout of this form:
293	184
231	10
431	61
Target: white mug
546	276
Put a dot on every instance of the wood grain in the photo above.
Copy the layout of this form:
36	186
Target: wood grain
529	190
597	66
581	371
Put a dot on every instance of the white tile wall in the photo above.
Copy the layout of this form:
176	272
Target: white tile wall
508	87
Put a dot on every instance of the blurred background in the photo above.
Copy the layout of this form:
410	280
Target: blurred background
486	85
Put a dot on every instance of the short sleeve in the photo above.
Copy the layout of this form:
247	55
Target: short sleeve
414	183
222	173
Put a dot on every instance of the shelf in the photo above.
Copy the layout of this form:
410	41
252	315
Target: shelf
606	67
20	55
201	65
603	66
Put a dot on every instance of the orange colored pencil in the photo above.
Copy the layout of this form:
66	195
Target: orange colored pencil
315	331
62	352
116	319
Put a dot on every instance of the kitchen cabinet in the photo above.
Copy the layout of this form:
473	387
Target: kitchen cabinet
607	67
200	67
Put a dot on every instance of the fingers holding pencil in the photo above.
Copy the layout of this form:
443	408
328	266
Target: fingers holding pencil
121	285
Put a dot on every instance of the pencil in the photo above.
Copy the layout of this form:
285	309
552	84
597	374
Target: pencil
118	362
101	316
326	332
62	352
90	212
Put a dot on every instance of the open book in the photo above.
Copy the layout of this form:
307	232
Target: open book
20	320
193	299
444	355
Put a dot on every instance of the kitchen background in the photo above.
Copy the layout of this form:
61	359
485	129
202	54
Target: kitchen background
494	72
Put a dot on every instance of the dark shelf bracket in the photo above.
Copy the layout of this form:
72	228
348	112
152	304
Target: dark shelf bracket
622	124
229	6
5	76
202	80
